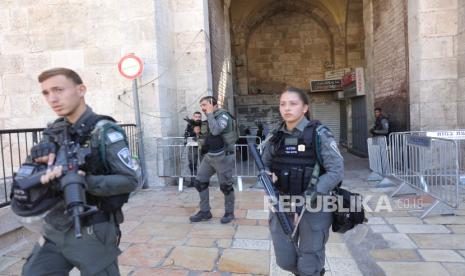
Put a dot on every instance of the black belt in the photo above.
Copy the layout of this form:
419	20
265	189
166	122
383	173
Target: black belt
98	217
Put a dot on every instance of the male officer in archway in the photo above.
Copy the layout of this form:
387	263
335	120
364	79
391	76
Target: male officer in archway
219	158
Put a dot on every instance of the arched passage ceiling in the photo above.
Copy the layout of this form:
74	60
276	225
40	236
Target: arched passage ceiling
241	10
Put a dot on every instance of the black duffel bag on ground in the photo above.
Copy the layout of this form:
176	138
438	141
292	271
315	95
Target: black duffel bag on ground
350	213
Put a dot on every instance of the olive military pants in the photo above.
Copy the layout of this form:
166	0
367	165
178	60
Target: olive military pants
95	253
223	165
313	234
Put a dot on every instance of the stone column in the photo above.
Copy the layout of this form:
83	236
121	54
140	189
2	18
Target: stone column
192	55
432	32
369	61
461	65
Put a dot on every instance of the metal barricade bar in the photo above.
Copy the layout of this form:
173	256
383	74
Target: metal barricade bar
426	164
176	157
245	167
378	157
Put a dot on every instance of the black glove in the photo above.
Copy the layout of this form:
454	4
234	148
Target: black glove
43	149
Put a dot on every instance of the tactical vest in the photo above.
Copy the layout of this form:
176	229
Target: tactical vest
96	161
378	123
229	134
294	159
224	141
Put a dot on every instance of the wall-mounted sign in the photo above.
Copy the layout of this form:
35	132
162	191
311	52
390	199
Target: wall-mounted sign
130	66
354	83
348	79
447	134
360	81
325	85
336	74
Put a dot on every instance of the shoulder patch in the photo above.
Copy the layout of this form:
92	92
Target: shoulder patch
115	136
334	147
225	116
328	133
125	157
223	123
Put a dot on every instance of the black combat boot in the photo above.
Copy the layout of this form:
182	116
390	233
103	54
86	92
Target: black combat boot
227	218
201	216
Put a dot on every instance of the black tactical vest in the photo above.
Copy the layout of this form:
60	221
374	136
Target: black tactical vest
294	159
378	124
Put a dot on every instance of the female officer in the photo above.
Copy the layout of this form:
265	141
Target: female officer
290	153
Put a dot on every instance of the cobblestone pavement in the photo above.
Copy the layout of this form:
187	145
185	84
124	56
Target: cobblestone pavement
158	238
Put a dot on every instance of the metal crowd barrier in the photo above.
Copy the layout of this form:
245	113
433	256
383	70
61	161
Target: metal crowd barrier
244	165
426	164
15	145
176	155
378	157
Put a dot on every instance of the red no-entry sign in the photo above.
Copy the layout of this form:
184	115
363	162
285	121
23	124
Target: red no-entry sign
130	66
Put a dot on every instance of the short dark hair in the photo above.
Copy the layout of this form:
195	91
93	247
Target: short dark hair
197	112
210	99
68	73
378	109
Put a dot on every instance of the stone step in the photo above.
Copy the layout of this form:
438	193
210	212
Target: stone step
10	229
12	233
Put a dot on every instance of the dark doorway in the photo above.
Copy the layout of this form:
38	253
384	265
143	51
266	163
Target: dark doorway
359	127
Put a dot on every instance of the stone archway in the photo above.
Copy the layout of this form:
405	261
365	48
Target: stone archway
355	34
244	31
287	49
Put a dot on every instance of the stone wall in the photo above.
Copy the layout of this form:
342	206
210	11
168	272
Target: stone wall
369	64
220	43
390	58
461	65
287	49
250	30
192	57
355	34
433	64
217	41
90	37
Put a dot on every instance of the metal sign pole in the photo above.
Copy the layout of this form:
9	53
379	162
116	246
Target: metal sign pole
140	132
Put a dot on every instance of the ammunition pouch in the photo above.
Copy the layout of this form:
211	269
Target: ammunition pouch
293	181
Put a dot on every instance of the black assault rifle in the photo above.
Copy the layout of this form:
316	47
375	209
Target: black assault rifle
273	195
70	156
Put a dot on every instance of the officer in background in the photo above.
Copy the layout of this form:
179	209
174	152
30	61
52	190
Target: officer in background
218	147
192	131
290	153
381	127
109	183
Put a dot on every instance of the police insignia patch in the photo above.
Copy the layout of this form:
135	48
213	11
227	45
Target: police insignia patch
335	148
223	123
115	136
125	157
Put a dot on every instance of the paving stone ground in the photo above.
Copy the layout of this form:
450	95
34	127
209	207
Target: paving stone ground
158	238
